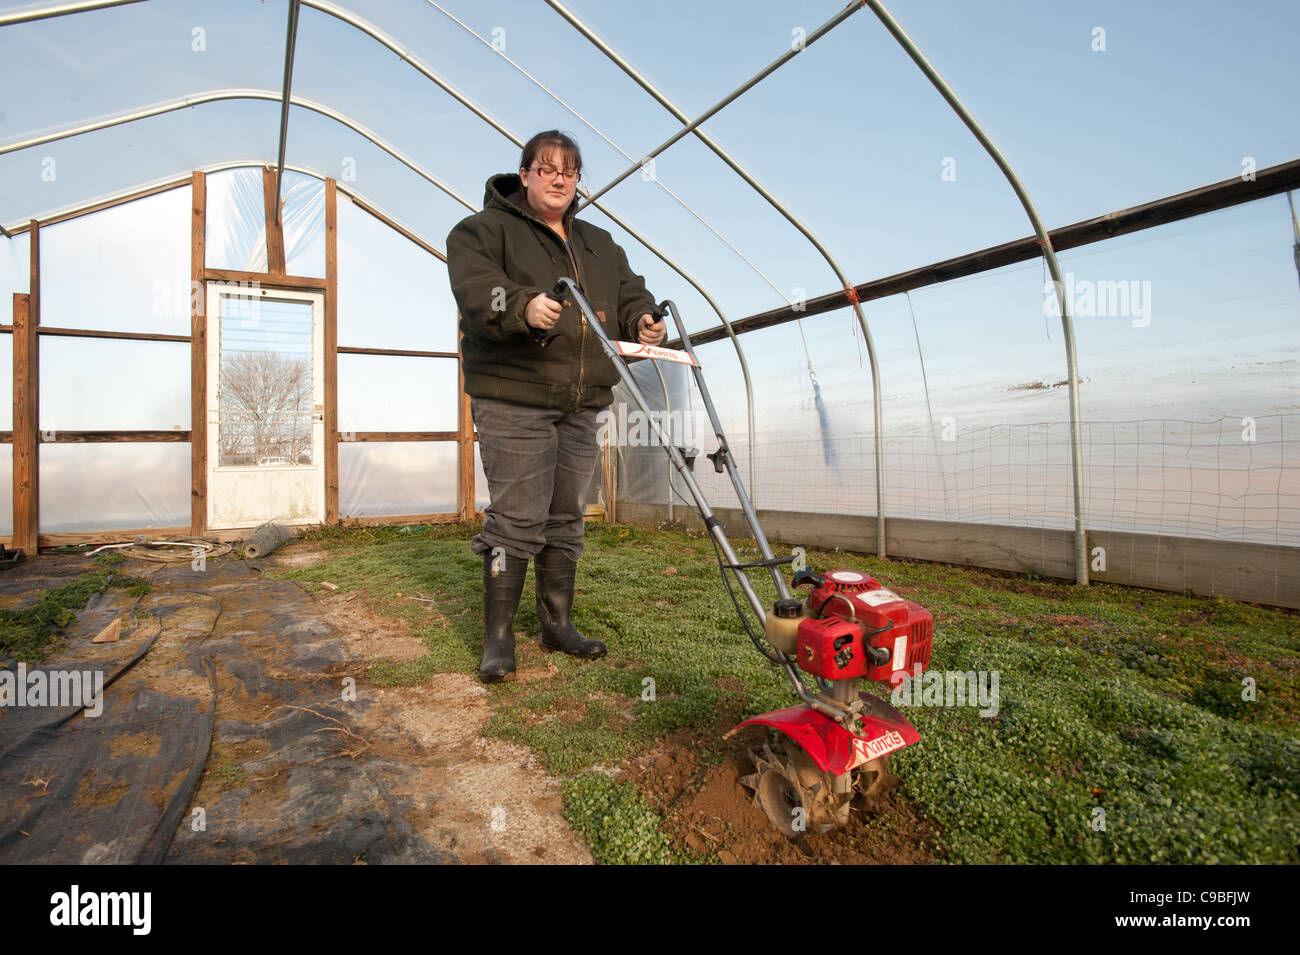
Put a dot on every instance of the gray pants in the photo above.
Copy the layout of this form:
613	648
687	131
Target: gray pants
538	464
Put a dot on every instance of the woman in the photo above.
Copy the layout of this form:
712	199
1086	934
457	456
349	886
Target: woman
536	377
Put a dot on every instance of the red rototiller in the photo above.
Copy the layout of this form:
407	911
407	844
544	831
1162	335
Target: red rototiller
848	628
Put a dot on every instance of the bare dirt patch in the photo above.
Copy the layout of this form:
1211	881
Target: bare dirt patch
483	800
367	634
91	793
139	744
302	555
706	810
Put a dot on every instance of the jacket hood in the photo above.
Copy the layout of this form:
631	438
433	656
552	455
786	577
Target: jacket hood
506	191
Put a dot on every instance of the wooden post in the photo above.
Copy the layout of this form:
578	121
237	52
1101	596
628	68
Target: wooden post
274	230
27	408
198	359
26	395
464	441
331	369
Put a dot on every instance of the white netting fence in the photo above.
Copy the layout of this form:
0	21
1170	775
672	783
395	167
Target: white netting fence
1233	479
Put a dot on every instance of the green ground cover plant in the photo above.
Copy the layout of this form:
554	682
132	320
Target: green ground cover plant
1134	726
29	634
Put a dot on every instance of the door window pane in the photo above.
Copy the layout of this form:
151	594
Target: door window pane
265	400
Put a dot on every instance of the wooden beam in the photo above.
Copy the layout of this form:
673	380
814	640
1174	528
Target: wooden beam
95	333
112	537
464	442
157	533
186	180
274	230
401	519
331	369
106	437
26	504
351	437
397	352
198	358
108	203
257	279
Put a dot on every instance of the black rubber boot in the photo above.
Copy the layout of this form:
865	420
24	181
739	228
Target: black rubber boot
555	575
500	601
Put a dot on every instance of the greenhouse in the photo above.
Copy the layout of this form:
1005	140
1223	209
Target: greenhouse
1004	288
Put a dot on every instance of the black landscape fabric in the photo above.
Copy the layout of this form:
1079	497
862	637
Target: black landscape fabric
220	659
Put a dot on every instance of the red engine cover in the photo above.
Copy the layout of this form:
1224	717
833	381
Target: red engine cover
851	595
831	648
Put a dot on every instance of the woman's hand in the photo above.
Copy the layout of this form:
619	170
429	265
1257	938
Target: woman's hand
651	331
542	312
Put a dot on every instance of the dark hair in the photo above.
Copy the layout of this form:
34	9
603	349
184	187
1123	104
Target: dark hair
551	138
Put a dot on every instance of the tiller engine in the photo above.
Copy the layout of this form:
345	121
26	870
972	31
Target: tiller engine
848	629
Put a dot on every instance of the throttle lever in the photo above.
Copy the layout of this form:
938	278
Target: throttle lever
558	292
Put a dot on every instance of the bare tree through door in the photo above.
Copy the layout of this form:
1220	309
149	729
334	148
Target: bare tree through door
266	384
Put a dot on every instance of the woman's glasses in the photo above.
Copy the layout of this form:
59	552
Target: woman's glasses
547	171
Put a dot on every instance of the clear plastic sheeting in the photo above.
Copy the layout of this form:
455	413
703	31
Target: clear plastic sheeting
303	221
643	466
72	173
1187	393
15	271
107	62
124	269
1186	341
6	382
328	147
236	233
1186	428
1193	320
89	487
1150	476
392	293
6	488
96	384
378	479
387	393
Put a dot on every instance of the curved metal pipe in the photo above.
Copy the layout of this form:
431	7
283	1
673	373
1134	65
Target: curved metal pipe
178	182
271	96
63	9
290	42
807	233
726	324
1076	437
214	96
735	340
735	94
376	34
